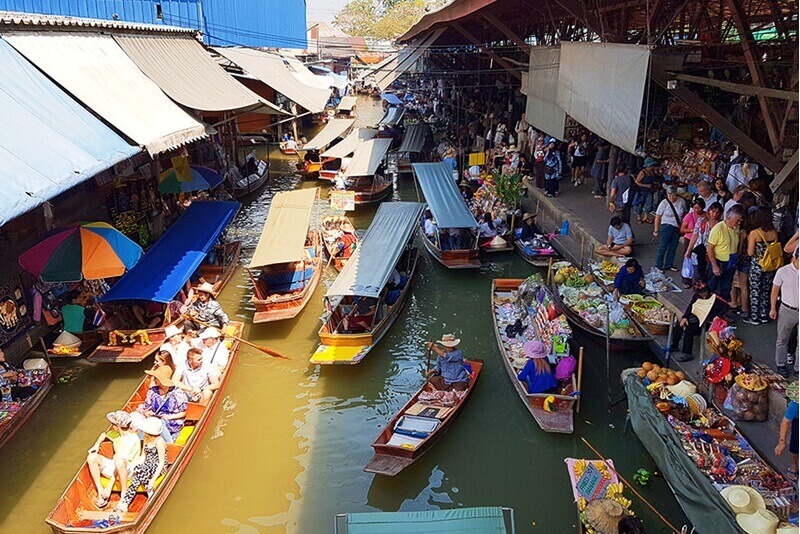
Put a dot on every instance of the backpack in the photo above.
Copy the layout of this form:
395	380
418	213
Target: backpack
772	259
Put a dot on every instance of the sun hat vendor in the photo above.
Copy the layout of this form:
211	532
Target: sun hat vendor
449	371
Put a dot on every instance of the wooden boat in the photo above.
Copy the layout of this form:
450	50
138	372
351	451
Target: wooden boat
75	511
340	239
371	189
365	175
285	149
313	161
8	430
574	468
412	149
395	451
452	259
338	157
538	259
560	420
507	247
252	182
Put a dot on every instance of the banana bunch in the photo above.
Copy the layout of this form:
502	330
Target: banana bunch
580	466
609	268
613	490
623	501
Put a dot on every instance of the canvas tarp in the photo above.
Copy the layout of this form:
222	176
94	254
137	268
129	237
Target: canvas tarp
409	57
347	103
368	157
392	99
393	116
183	69
284	235
601	85
368	269
484	520
701	503
542	110
349	144
51	143
164	269
415	138
335	128
443	197
271	70
94	69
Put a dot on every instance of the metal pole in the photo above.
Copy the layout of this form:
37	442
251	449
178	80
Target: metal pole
608	355
668	349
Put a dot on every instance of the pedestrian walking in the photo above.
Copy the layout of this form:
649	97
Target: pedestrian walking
784	288
669	216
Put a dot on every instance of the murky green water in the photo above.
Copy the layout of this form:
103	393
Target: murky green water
288	445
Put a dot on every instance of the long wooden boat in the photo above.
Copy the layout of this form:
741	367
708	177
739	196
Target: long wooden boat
395	451
335	232
560	419
372	192
289	151
537	260
75	511
507	237
8	430
452	259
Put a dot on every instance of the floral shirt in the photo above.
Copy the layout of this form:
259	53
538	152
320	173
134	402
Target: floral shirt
174	402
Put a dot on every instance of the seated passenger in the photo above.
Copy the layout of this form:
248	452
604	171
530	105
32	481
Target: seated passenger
537	374
360	318
127	447
215	353
199	381
429	227
449	372
176	345
153	464
163	358
629	280
620	239
165	402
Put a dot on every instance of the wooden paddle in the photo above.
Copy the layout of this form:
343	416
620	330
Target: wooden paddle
265	350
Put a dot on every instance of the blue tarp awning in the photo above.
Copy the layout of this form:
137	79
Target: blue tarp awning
166	267
392	99
443	197
50	143
486	520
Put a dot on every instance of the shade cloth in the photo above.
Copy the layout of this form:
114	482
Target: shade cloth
347	103
601	85
271	70
369	268
349	144
94	69
484	520
333	129
172	260
393	116
542	109
407	59
443	197
284	235
301	72
368	157
51	143
415	138
392	99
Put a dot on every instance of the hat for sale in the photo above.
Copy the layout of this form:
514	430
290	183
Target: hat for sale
684	388
760	522
743	499
717	370
604	515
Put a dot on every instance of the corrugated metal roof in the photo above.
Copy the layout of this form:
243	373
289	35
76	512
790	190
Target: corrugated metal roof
16	18
415	138
443	197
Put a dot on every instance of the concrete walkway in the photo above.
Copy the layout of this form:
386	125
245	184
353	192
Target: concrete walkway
588	226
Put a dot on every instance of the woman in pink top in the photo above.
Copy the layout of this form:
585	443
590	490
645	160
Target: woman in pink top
697	212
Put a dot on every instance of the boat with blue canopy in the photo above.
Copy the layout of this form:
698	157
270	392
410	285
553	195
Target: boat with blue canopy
416	140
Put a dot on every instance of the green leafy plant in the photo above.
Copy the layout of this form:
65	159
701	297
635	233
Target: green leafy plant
508	188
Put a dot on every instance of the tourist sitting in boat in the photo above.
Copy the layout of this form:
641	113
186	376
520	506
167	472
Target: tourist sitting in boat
148	314
620	239
629	280
527	230
197	380
127	448
486	230
449	371
290	144
175	345
361	317
163	358
152	466
164	401
429	226
703	307
215	353
206	310
537	374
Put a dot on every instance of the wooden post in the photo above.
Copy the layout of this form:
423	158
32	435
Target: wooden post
549	271
583	242
580	378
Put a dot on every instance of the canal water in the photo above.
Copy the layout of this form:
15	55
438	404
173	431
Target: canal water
287	447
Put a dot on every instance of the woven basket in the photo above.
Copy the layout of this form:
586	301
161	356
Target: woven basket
655	329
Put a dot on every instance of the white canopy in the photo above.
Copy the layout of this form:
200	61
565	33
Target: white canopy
284	235
335	128
347	103
349	144
368	157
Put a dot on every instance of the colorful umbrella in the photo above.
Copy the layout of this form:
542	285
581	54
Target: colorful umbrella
201	178
87	250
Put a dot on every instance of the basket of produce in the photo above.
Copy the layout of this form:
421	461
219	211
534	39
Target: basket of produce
606	271
749	398
653	315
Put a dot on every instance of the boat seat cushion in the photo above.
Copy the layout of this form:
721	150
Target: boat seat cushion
416	426
288	281
184	435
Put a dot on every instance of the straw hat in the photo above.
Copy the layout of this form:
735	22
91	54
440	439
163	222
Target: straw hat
449	340
66	339
512	148
171	331
210	333
534	349
119	418
528	216
760	522
743	499
151	425
163	375
450	152
791	391
498	242
604	515
684	388
205	287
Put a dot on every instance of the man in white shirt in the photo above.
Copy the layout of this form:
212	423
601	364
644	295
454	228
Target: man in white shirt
215	353
430	227
706	192
741	174
785	286
197	380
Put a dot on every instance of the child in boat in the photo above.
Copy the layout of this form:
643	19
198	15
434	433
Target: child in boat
127	448
537	373
154	463
449	372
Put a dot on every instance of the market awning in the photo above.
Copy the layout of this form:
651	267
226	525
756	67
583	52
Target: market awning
50	142
393	116
368	157
284	235
443	197
369	268
183	69
488	520
392	99
415	138
347	103
406	61
542	110
333	129
169	263
301	72
349	144
271	70
94	69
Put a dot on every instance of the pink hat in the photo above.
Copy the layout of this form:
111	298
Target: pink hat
534	349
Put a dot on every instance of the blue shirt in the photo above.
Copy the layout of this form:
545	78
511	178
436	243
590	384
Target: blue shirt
451	162
628	283
537	383
451	367
791	411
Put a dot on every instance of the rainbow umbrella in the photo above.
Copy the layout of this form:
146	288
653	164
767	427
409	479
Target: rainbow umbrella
90	250
202	178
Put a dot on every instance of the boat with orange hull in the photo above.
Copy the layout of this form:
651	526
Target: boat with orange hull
365	174
340	238
9	428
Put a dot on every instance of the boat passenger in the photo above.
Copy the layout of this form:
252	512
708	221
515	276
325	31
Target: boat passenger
527	230
164	401
629	280
291	144
127	448
206	309
360	318
449	372
154	452
215	353
537	374
176	345
198	380
430	226
487	229
163	358
619	241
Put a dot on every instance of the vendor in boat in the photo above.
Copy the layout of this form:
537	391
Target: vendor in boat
9	377
703	307
215	353
537	374
620	239
152	466
449	371
527	230
197	380
127	447
205	309
164	401
629	280
466	190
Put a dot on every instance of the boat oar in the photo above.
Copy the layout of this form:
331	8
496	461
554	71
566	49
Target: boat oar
630	487
265	350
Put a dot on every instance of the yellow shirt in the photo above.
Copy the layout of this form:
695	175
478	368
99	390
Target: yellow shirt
724	239
127	446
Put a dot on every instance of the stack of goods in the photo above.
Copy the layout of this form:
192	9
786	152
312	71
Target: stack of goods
598	494
571	276
8	410
748	398
690	167
652	314
656	282
584	297
9	407
606	271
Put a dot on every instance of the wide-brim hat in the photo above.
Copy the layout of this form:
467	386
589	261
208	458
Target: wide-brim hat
528	216
650	162
791	391
498	242
67	339
205	287
759	522
604	515
163	375
743	499
512	148
450	152
119	418
717	370
684	388
210	333
171	331
534	349
151	425
449	340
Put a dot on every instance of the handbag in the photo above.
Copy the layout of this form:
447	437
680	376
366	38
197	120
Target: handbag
687	271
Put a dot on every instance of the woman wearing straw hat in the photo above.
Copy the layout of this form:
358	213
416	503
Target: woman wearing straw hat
449	371
154	451
165	402
789	431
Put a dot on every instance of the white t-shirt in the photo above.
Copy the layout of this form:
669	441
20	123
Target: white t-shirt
786	279
430	228
667	216
216	356
737	176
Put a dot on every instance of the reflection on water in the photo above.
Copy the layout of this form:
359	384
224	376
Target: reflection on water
287	447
